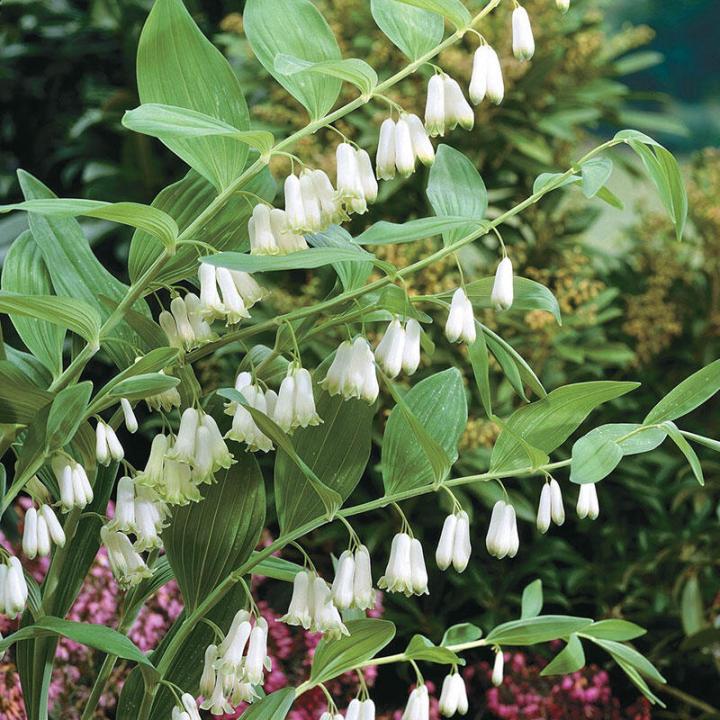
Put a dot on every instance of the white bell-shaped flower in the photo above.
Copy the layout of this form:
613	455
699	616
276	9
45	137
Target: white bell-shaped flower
336	377
311	203
182	323
209	674
169	327
287	240
418	571
498	667
368	181
557	509
294	205
154	472
150	514
343	591
458	110
444	551
404	150
57	534
232	300
13	588
349	179
326	617
178	714
460	326
352	372
385	159
487	78
454	546
126	563
367	710
305	412
131	423
190	706
502	292
422	147
329	200
523	40
184	448
435	107
257	653
30	534
398	574
177	487
418	706
250	291
389	353
244	429
232	649
353	710
124	519
301	603
263	240
221	456
284	413
217	702
588	504
411	348
75	488
453	697
211	305
201	327
107	446
544	516
363	592
502	537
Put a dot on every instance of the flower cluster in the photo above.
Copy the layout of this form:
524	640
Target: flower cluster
406	571
226	294
312	606
399	348
400	145
352	373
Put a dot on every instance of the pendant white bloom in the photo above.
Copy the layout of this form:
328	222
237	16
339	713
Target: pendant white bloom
411	349
523	40
418	571
107	446
300	609
457	109
131	422
368	181
498	666
257	653
326	617
487	78
367	710
184	448
435	107
502	538
391	349
126	563
209	676
422	147
349	179
557	510
13	588
418	707
544	516
72	480
588	504
453	697
210	302
352	372
502	292
287	240
385	159
294	206
454	545
398	574
460	326
190	706
404	151
363	593
343	591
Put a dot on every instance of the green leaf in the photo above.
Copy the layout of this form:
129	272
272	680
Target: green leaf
638	681
513	365
420	648
77	273
702	440
168	121
547	423
569	660
438	403
533	631
336	452
453	10
295	27
301	260
414	30
97	636
455	189
692	612
389	233
630	656
335	657
357	72
676	436
480	361
595	173
275	706
24	271
461	634
69	313
143	217
185	200
141	387
532	600
67	412
664	171
177	65
635	135
689	394
434	452
597	454
544	180
206	541
330	499
20	398
614	630
528	295
353	275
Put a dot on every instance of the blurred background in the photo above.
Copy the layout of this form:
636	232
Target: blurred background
636	305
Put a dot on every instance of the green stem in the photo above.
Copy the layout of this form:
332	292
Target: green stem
225	586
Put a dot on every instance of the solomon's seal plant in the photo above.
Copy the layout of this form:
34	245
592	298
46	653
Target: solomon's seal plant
203	262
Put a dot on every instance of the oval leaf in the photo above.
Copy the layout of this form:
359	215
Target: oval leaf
414	30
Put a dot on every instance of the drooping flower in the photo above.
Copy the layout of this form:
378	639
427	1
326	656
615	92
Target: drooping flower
352	372
72	480
498	667
487	78
457	109
300	609
131	423
363	593
13	587
587	504
356	183
127	564
418	706
107	446
544	512
502	292
523	40
326	617
502	538
295	406
398	574
257	653
343	585
454	545
557	510
460	326
453	697
435	107
390	351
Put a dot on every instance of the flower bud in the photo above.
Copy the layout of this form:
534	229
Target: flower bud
367	710
368	180
418	707
390	351
557	510
587	504
30	539
544	509
418	571
462	547
523	40
460	324
131	422
498	666
444	552
502	292
385	159
411	349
